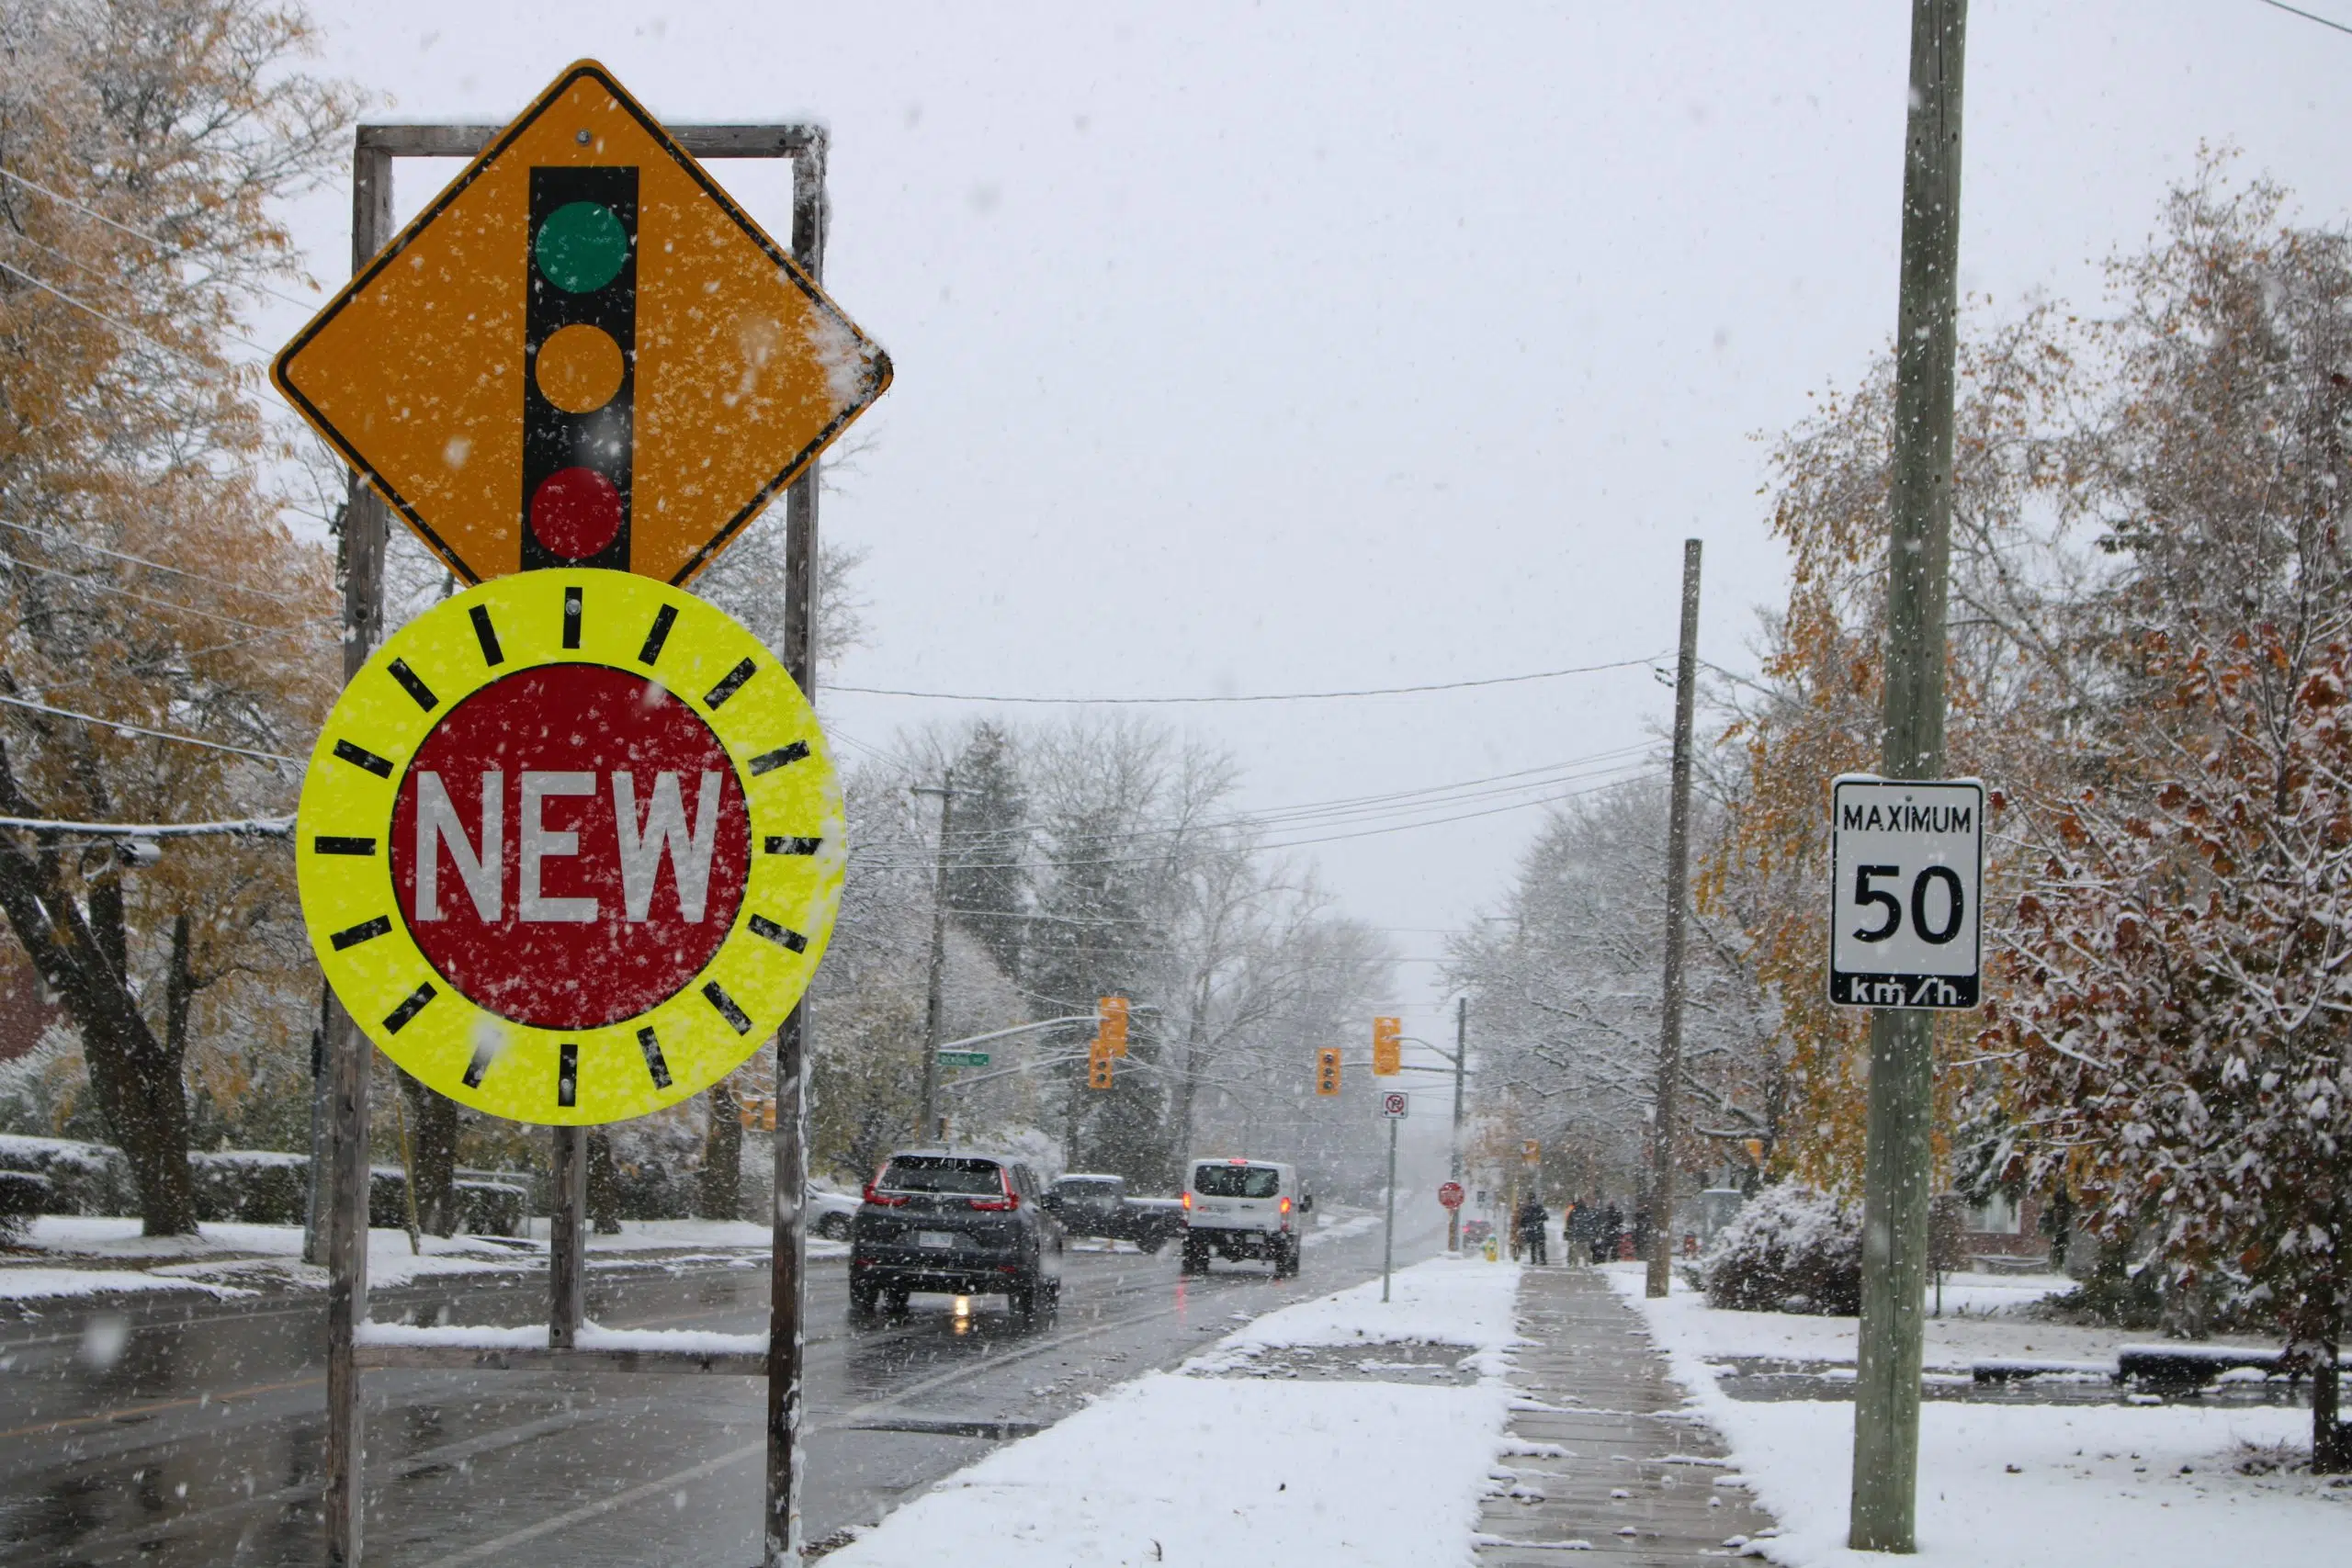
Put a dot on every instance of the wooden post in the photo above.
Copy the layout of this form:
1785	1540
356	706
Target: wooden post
350	1059
1678	900
568	1238
787	1269
1898	1168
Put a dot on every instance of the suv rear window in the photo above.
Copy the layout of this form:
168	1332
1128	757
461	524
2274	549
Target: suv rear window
941	1173
1237	1180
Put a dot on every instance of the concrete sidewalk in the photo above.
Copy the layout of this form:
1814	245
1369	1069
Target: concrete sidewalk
1602	1456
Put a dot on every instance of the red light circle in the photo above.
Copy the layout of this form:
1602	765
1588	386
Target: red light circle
576	513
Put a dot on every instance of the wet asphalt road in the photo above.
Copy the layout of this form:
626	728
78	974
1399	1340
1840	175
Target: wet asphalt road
198	1444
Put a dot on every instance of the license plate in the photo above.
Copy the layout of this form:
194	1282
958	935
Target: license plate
935	1238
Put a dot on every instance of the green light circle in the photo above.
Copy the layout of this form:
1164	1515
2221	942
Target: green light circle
581	247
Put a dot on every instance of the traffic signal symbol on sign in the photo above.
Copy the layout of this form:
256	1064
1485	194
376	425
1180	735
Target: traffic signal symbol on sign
581	352
579	340
1098	1067
1111	1023
1326	1070
1387	1048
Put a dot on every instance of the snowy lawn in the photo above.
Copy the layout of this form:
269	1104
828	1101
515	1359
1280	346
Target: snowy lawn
1192	1468
2023	1487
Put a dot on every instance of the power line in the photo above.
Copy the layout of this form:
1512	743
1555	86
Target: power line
2309	16
153	734
1259	697
139	234
103	586
179	353
69	540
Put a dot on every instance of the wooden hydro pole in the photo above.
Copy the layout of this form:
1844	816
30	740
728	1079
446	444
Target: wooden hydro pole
1677	903
1899	1166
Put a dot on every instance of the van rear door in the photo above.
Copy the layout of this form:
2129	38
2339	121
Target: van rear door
1236	1194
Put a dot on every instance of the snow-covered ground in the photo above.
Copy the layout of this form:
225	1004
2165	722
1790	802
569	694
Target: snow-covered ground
2019	1485
1205	1466
79	1257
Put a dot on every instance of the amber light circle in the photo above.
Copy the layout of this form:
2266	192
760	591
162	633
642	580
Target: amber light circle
579	368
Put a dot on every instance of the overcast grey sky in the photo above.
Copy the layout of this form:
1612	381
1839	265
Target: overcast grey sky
1270	349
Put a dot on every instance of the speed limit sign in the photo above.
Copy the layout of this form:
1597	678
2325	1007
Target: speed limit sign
1905	910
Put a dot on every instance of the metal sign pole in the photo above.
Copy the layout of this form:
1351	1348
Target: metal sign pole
349	1057
1389	1238
787	1266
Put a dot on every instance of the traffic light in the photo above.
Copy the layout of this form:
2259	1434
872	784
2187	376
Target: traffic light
579	357
1326	1070
1111	1023
1098	1067
1388	1046
1530	1151
756	1113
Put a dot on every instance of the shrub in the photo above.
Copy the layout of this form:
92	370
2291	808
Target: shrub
490	1208
256	1186
83	1179
22	1196
1789	1249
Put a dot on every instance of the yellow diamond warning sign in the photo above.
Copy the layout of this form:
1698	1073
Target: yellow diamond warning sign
581	354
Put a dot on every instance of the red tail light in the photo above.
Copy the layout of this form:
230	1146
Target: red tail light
886	1199
998	1206
1187	1199
1285	1205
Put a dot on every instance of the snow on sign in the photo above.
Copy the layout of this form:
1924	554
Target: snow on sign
581	352
569	846
1907	876
1395	1106
1449	1194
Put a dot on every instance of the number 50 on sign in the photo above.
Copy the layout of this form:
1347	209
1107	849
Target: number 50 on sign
1907	869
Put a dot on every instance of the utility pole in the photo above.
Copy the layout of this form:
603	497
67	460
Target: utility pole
1388	1236
1454	1166
1678	899
1897	1167
934	1009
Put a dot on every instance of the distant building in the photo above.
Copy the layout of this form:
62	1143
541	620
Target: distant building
27	1008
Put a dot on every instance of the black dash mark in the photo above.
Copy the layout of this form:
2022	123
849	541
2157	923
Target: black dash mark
731	683
360	757
398	1019
736	1018
778	844
662	622
413	685
782	755
365	930
571	617
484	1054
326	844
790	941
487	635
566	1074
653	1062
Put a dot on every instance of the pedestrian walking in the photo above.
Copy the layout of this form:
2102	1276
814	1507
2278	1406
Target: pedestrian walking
1528	1222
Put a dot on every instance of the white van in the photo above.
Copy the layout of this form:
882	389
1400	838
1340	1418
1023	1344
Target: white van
1244	1208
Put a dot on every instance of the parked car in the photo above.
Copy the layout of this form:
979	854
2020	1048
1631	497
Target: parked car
831	1215
1099	1206
1243	1208
958	1222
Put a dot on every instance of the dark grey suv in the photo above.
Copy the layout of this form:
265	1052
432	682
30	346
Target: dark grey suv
968	1224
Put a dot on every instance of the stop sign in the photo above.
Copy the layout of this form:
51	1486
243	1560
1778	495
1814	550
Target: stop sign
1449	1194
569	847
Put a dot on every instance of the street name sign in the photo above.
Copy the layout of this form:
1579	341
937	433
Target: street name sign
962	1059
1905	894
1449	1194
581	352
569	846
1395	1106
